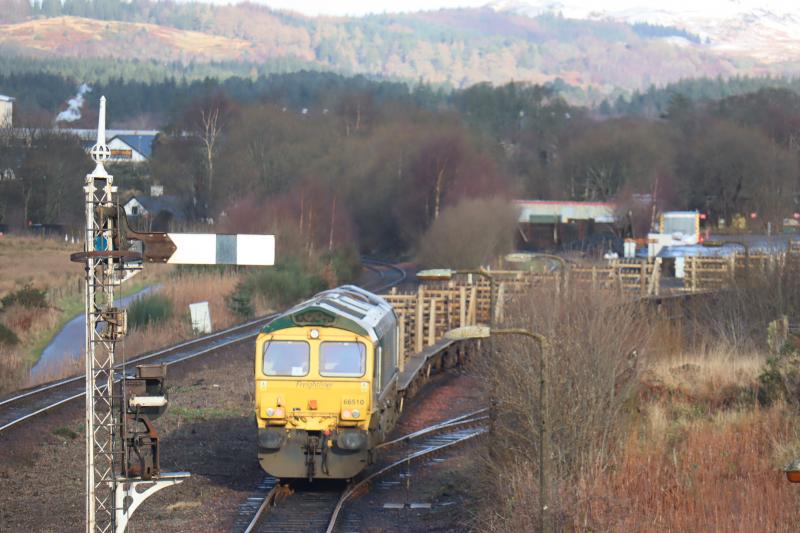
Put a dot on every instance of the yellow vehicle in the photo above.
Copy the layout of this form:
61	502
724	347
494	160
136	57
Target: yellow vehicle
326	385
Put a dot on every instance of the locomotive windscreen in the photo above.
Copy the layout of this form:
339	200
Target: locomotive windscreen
286	358
342	359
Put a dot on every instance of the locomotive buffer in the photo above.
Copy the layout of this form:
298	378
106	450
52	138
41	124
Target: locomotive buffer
122	452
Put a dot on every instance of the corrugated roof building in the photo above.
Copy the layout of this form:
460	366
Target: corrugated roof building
548	223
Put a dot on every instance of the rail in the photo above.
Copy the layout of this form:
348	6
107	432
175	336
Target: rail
27	404
452	439
471	425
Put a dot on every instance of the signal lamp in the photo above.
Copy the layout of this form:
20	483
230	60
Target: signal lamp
793	471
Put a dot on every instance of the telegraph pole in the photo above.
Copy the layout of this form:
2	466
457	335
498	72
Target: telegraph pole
122	448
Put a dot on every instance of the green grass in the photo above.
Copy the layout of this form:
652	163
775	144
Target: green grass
65	432
147	309
202	413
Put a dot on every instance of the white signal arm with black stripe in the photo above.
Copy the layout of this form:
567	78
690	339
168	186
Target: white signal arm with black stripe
215	249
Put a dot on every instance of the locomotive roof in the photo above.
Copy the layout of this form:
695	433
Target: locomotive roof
347	307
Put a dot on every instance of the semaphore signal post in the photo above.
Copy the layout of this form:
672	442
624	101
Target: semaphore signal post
121	443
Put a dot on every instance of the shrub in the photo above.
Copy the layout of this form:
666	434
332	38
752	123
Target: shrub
240	301
7	336
591	384
281	285
345	263
286	284
27	296
151	308
469	234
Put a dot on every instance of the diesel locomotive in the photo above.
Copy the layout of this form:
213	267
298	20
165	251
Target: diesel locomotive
326	384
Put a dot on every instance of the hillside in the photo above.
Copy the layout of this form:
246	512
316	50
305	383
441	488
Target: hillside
82	37
455	47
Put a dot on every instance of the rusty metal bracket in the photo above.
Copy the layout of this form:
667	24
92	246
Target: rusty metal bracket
157	247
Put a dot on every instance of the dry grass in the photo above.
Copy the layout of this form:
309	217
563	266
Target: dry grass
716	376
40	262
44	263
672	439
183	290
718	475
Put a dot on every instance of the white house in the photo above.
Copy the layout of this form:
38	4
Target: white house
156	212
6	111
127	146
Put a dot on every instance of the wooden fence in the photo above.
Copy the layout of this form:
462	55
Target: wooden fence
436	307
712	273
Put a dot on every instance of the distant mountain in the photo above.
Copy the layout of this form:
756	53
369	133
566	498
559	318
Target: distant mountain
765	30
598	53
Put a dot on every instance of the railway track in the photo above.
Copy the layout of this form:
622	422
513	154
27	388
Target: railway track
318	508
27	404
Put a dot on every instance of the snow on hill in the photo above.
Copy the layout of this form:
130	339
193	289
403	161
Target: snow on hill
767	30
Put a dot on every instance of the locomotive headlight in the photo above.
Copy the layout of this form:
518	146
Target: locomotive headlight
276	412
346	414
356	413
314	334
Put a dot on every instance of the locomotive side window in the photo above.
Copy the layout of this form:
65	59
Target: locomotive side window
342	359
286	358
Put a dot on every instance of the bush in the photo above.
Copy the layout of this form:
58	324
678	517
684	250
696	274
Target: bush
591	384
151	308
281	286
27	296
345	264
286	284
7	336
469	234
241	301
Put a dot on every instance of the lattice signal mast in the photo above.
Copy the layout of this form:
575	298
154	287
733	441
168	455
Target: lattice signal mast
101	338
122	448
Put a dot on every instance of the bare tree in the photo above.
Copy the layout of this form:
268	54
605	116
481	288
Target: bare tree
209	135
207	120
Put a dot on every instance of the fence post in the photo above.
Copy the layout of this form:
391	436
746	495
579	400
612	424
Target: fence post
472	314
401	360
501	296
462	306
432	323
419	326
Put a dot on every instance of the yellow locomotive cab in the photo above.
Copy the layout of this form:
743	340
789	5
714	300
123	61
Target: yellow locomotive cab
320	371
314	393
